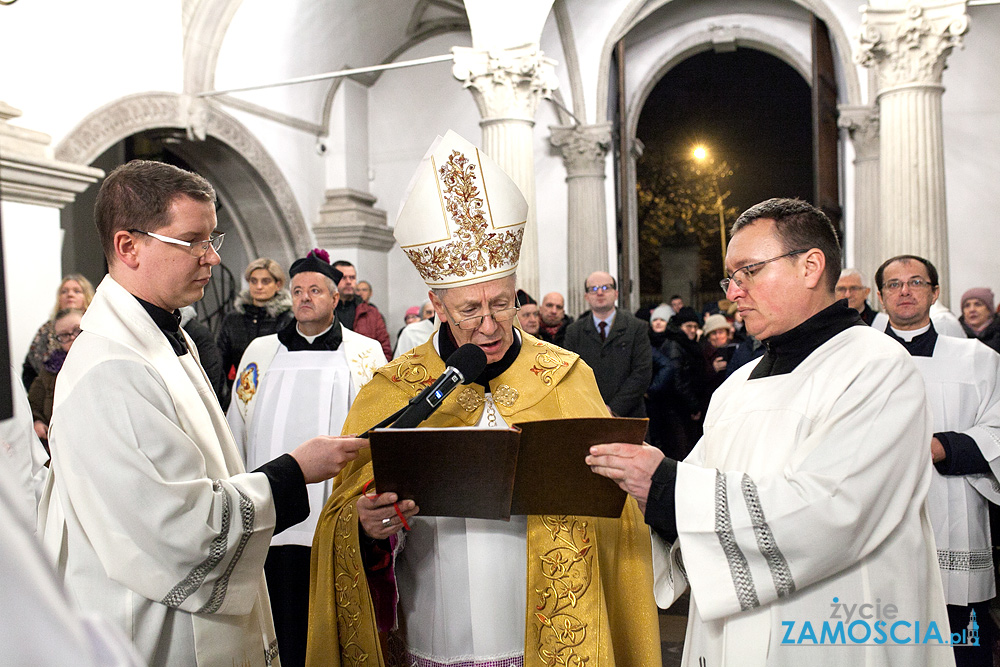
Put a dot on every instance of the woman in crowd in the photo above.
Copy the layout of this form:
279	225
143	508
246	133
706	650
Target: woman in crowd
264	308
684	377
65	329
978	317
74	291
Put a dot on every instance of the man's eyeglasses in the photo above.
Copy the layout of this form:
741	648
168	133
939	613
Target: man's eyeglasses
844	289
746	279
599	288
473	323
912	283
67	337
196	248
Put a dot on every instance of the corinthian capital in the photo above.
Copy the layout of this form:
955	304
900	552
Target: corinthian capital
506	84
909	45
862	122
583	147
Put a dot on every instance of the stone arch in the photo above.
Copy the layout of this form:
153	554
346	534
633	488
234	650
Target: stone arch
850	86
264	208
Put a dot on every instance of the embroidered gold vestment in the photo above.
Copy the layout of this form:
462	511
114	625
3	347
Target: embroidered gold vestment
589	583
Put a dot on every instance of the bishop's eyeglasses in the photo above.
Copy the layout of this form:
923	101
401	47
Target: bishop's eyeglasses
473	323
197	248
746	279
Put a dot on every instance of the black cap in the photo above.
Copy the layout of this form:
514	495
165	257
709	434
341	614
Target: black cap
524	298
317	261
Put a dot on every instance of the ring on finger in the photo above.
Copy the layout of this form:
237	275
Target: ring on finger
386	522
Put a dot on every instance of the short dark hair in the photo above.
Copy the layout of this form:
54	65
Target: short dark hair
138	195
614	283
342	262
800	226
880	273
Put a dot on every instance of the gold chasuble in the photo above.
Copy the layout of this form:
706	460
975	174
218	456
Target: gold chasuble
589	583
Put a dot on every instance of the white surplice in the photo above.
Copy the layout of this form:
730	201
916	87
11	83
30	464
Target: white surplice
148	514
962	394
298	395
22	454
806	488
461	584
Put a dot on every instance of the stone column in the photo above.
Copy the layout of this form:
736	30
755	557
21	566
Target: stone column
507	86
862	124
907	47
584	148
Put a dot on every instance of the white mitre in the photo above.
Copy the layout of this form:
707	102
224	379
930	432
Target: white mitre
462	219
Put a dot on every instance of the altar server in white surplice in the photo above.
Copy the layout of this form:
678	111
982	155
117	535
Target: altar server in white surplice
290	386
961	376
149	514
800	519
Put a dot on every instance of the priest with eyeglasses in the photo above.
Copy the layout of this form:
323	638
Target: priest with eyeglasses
535	590
806	497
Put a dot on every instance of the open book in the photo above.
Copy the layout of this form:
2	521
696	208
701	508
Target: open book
531	468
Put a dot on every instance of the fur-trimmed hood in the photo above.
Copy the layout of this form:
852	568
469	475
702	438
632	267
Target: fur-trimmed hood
277	304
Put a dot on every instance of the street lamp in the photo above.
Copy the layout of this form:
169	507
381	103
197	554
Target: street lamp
700	154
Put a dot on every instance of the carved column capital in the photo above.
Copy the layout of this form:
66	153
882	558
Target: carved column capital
862	122
506	84
909	45
583	147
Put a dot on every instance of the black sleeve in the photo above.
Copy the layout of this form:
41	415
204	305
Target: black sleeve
288	486
628	398
211	360
661	511
962	455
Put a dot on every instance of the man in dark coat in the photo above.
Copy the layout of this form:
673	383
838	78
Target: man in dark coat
554	319
615	344
354	313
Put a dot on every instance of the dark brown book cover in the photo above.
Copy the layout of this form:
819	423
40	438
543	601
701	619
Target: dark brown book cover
552	476
533	468
464	472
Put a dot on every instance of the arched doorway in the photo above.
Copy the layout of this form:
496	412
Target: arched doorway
256	206
750	111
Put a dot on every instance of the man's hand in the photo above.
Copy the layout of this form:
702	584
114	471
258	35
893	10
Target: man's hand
937	451
630	466
324	456
41	430
373	512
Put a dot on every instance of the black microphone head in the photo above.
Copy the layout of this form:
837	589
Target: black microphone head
469	360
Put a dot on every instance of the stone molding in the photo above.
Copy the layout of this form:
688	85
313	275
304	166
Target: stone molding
583	147
28	172
508	84
199	118
909	45
862	122
349	219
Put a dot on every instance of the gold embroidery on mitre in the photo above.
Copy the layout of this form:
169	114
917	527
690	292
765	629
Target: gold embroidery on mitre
247	386
505	395
348	596
473	249
568	570
470	400
546	365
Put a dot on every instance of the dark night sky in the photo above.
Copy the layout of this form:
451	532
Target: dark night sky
750	108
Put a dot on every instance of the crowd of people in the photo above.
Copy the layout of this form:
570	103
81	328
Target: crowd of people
802	446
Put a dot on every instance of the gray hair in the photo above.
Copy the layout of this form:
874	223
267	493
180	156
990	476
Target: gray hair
854	272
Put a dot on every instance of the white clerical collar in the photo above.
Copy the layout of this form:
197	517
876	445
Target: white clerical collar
310	339
910	334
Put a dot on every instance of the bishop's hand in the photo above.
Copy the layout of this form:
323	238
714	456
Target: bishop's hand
378	516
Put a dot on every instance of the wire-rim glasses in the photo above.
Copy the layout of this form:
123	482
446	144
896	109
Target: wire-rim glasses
197	248
750	269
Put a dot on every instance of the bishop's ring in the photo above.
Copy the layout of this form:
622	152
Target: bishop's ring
386	522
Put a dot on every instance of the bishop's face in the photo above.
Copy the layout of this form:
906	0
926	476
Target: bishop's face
459	306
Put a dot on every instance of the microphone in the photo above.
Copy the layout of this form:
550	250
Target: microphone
464	365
